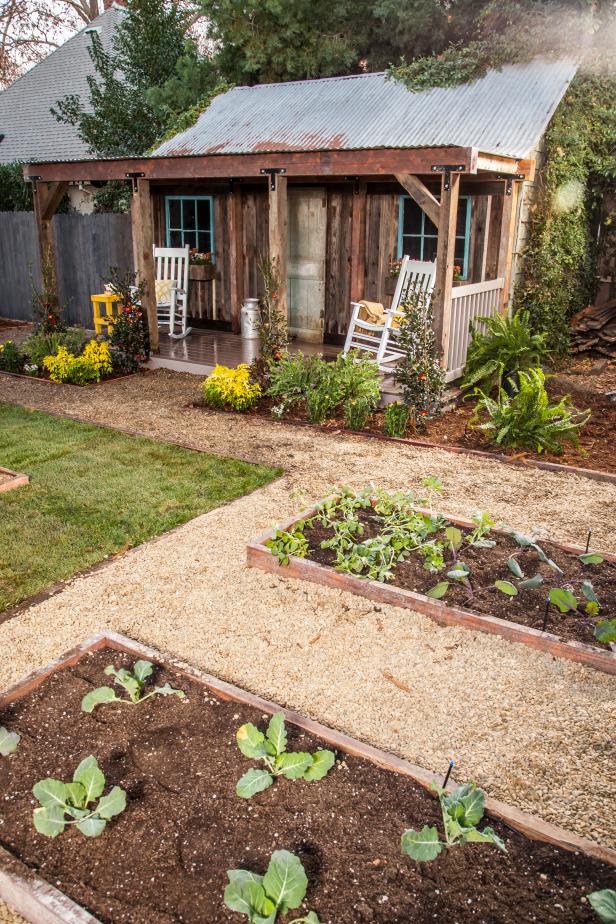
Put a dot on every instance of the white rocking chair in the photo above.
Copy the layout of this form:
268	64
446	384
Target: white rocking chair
379	339
171	268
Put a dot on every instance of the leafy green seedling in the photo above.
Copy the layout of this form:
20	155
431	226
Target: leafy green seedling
506	587
483	525
263	898
591	558
514	567
530	583
271	749
284	544
133	682
76	799
605	631
604	904
563	599
8	741
438	591
462	811
454	538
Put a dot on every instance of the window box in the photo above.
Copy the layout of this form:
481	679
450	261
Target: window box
202	272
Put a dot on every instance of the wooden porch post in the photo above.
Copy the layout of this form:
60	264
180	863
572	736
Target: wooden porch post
47	197
507	241
445	258
236	255
358	243
278	235
143	252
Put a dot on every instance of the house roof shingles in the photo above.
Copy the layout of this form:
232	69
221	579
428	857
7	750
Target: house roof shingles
31	132
505	112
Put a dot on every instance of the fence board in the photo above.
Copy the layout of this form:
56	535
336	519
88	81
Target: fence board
19	260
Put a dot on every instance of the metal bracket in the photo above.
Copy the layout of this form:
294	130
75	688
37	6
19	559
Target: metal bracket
355	181
509	178
448	169
273	172
134	177
33	178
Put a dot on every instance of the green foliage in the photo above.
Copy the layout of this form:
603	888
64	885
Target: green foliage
76	799
283	544
39	345
47	313
194	80
11	357
396	419
500	347
15	192
462	810
8	741
603	903
114	197
605	631
271	321
271	749
133	684
526	419
119	117
129	339
419	374
263	898
231	388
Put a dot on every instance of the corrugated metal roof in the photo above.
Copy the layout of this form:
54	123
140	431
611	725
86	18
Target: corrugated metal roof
505	112
31	132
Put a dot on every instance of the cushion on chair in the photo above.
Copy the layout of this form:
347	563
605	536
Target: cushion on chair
163	290
374	313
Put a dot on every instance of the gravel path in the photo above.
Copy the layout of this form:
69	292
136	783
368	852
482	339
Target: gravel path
531	729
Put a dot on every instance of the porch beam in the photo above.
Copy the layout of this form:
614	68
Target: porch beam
358	243
46	201
421	195
445	258
143	251
278	236
236	255
296	163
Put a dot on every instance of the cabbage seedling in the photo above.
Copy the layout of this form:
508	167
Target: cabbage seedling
271	749
462	811
132	682
263	898
604	905
82	800
8	741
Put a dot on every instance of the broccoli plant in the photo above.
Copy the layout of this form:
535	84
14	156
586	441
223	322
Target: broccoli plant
462	811
263	898
133	682
271	748
603	903
82	800
8	741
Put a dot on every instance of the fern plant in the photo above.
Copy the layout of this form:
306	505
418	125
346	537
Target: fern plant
508	346
525	418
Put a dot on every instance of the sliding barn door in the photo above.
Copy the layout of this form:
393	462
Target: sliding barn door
306	263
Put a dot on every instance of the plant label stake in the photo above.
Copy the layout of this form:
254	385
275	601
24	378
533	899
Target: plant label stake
545	615
448	774
588	540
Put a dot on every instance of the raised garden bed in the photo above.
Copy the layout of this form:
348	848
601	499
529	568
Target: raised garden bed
165	857
515	612
10	480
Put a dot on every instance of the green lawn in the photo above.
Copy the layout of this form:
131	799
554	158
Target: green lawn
94	491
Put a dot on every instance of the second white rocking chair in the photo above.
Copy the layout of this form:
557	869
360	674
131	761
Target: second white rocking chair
378	339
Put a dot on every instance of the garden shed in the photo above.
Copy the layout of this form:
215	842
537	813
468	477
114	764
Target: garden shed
337	178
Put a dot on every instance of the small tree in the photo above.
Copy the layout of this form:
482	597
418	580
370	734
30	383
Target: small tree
47	312
419	374
130	340
272	322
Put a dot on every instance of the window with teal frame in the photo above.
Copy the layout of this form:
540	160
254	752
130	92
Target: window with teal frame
190	220
418	236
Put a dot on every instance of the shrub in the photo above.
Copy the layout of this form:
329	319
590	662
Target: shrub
272	321
291	379
11	357
526	419
129	338
38	346
91	366
507	346
46	309
357	386
231	388
396	419
419	374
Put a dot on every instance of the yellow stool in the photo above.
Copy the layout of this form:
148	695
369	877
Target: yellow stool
104	310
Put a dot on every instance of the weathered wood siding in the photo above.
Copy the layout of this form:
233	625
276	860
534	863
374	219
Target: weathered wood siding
338	261
381	242
19	260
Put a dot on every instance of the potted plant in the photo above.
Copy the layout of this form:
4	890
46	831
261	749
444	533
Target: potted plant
201	265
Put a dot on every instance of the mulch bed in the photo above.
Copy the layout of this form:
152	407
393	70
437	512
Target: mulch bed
164	859
114	376
488	566
596	450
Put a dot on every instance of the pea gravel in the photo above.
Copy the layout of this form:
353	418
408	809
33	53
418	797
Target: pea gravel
532	730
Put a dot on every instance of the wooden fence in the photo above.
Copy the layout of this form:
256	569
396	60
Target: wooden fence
86	246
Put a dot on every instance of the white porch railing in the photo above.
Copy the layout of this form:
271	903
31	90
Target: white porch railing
478	300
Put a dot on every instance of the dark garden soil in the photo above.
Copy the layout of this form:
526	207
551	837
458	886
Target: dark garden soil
596	450
490	565
164	859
